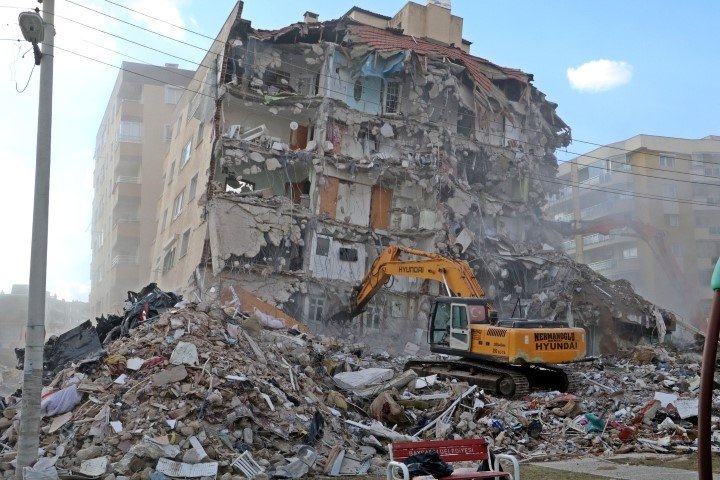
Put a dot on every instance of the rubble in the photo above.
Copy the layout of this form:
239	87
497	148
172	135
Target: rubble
230	414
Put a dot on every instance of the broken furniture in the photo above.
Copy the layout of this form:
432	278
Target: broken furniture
473	449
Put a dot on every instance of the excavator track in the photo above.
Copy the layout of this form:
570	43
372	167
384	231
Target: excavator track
512	381
495	379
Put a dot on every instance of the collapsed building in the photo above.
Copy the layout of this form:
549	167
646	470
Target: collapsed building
299	154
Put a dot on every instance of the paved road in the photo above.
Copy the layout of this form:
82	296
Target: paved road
605	468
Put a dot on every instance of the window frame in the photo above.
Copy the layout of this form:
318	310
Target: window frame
186	154
386	92
192	188
184	243
179	204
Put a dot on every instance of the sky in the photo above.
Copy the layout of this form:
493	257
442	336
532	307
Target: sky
615	68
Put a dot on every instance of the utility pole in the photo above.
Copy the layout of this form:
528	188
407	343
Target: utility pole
29	439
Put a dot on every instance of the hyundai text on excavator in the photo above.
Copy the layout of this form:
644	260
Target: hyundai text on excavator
502	356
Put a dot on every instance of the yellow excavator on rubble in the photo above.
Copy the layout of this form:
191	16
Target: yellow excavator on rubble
502	356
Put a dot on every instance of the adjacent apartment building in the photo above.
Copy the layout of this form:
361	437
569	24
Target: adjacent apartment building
131	144
647	209
298	154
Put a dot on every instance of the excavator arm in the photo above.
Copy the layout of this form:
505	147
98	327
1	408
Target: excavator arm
456	275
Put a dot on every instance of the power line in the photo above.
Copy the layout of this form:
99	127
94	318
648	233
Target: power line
378	90
299	67
164	21
548	179
135	25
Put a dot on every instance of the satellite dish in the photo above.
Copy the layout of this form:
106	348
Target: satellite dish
293	126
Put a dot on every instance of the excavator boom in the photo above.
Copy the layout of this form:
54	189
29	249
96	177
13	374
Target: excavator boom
456	275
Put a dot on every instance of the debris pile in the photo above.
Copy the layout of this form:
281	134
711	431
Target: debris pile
205	391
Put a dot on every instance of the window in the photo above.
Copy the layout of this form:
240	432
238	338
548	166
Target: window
172	94
667	161
391	98
672	220
619	163
178	204
169	260
185	155
167	132
309	85
714	230
323	246
669	191
164	220
200	133
465	122
193	187
184	243
631	252
676	249
348	254
194	105
583	174
702	221
171	172
179	125
358	90
130	132
317	305
372	317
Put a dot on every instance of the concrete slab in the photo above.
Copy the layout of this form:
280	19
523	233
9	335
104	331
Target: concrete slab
605	468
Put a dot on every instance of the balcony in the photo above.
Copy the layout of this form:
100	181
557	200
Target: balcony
568	245
603	265
124	260
595	238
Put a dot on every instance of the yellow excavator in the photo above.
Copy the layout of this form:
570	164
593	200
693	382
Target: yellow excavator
502	356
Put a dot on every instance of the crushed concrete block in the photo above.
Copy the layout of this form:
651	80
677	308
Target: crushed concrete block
362	378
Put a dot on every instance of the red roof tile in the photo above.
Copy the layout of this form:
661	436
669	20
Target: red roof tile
385	40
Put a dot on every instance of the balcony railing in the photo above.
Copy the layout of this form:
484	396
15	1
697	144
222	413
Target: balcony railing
126	179
602	265
124	260
595	238
593	211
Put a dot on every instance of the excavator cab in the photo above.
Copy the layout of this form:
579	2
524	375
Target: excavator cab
451	317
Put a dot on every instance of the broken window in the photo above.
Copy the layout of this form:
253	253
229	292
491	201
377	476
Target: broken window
465	122
276	80
510	87
178	126
309	85
391	98
172	94
348	254
358	89
372	317
296	191
316	308
178	204
672	220
322	247
169	260
193	187
185	155
184	243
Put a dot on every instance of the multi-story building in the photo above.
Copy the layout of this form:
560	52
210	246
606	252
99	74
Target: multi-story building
60	316
657	203
298	154
130	147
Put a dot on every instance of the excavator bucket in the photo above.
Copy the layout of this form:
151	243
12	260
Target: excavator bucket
343	316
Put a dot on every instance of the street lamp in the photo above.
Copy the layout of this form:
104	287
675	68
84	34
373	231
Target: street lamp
36	30
33	29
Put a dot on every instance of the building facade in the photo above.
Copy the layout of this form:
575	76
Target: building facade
299	154
131	144
646	209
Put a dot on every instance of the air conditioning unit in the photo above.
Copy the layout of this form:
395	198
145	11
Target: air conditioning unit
253	133
233	131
